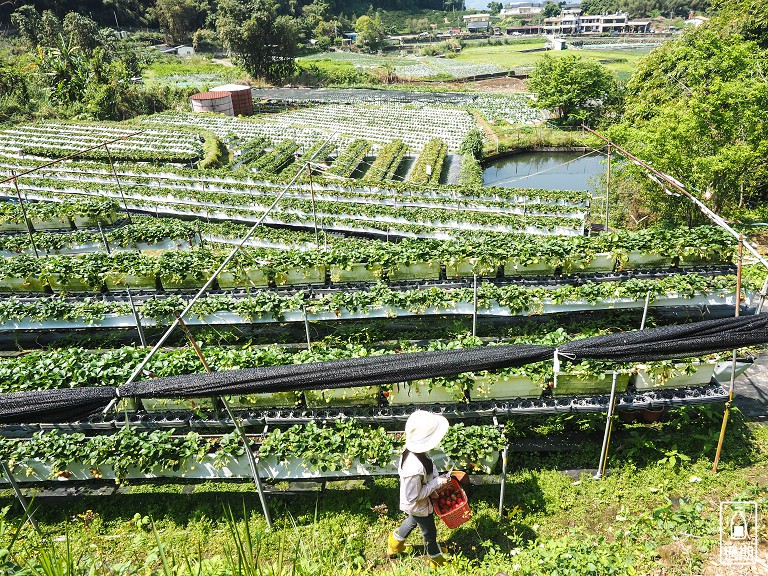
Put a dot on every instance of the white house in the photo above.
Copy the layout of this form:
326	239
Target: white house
574	22
522	9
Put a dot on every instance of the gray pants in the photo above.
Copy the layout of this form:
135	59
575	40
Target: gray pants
428	531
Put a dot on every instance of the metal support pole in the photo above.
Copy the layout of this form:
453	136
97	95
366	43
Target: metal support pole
645	309
608	187
306	327
19	496
252	461
502	490
314	211
24	214
763	294
733	365
474	308
119	185
251	458
136	317
608	429
103	238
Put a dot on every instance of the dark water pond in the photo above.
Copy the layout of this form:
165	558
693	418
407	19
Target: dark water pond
548	170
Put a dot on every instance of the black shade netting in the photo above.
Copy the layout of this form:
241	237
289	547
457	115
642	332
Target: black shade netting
367	371
668	342
67	405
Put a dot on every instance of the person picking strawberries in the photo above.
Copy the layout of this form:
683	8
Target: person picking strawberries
418	480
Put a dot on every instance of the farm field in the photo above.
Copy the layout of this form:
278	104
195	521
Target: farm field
477	60
622	62
327	259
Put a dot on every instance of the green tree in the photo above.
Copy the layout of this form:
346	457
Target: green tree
27	21
599	6
326	30
495	7
315	13
178	18
82	32
263	42
50	29
14	92
473	144
370	35
697	109
577	89
551	9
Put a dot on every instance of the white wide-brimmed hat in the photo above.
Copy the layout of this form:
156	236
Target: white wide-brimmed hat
424	431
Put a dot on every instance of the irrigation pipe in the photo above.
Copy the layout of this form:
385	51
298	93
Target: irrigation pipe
207	285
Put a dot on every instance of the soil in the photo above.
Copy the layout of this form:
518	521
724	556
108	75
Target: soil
499	85
713	567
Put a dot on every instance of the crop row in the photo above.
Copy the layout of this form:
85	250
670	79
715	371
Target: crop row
276	159
367	260
415	125
123	454
245	128
429	164
352	216
57	140
348	161
77	367
471	172
381	300
318	153
143	234
386	163
229	180
81	213
252	151
392	194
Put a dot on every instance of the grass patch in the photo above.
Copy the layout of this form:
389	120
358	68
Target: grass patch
195	71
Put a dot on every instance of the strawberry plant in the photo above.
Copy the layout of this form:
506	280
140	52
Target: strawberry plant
330	448
471	447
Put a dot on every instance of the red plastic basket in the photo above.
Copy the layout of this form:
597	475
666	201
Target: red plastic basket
461	513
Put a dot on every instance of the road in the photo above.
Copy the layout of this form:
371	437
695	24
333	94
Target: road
751	390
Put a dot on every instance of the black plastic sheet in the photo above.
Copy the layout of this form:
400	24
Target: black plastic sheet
669	342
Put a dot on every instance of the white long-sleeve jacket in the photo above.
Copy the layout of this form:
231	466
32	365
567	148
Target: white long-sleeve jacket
415	486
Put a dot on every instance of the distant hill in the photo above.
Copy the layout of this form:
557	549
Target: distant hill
131	13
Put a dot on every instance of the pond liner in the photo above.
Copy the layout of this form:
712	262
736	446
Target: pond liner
696	339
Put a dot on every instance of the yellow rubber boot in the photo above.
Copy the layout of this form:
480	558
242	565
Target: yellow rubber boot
394	546
439	560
